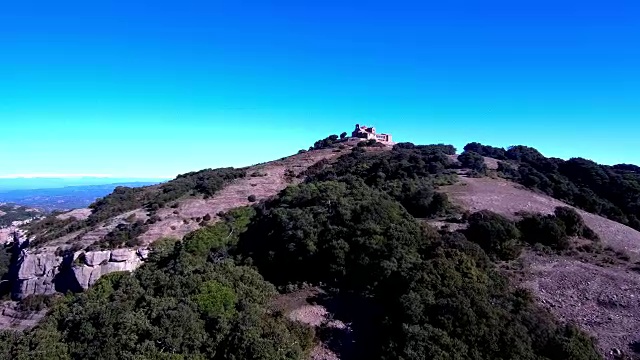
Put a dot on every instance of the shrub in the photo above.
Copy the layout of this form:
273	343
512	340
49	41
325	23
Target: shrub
216	300
488	151
573	222
547	230
251	198
36	302
496	235
473	161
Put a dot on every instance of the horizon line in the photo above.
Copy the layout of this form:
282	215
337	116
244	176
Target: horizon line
75	176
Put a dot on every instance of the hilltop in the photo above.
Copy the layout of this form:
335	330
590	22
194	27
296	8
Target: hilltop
416	250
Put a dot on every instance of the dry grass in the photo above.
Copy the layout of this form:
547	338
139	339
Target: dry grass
80	214
507	198
268	179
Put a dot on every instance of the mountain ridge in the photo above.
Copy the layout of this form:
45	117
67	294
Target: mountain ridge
469	182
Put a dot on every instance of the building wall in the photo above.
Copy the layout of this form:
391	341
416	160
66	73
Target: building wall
370	134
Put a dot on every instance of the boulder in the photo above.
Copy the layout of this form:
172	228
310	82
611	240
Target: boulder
36	273
43	273
95	258
86	275
121	255
38	265
143	253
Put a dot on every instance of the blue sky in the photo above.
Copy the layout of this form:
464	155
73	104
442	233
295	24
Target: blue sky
154	88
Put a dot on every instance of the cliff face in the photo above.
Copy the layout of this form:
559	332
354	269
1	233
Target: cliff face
47	273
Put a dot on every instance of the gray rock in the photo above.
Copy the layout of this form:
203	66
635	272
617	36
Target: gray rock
121	266
121	255
143	253
88	275
38	273
95	258
35	286
38	265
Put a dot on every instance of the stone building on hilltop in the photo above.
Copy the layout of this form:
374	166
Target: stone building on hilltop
369	133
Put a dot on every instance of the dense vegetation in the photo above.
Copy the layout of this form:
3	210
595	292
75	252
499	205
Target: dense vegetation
409	173
124	235
610	191
409	291
182	304
503	239
6	255
413	294
328	142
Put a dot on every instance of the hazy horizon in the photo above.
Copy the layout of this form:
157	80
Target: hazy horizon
43	183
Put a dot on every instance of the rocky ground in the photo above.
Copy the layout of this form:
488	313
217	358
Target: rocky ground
604	301
12	318
303	306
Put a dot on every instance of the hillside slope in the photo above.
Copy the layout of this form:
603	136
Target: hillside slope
342	234
601	297
45	265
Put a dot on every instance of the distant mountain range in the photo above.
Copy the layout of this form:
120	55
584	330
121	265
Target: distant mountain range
63	198
52	182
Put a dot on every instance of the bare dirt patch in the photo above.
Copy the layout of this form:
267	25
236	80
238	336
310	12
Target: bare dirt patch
507	198
301	306
80	214
603	301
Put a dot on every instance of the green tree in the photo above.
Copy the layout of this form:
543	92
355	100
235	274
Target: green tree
497	235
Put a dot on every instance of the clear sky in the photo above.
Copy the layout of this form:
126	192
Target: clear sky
157	88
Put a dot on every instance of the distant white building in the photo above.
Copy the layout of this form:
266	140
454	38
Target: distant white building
369	133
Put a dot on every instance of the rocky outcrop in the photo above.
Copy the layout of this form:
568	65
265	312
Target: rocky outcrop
36	274
118	260
95	258
46	273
